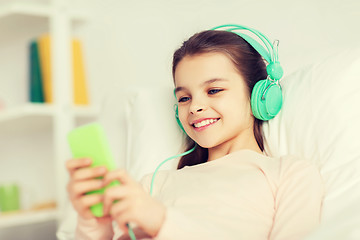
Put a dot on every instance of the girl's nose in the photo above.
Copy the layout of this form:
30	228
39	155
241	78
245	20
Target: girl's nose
198	104
196	109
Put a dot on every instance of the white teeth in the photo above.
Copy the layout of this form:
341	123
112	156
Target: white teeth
205	122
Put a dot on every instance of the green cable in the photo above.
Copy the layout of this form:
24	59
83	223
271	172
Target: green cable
131	232
179	155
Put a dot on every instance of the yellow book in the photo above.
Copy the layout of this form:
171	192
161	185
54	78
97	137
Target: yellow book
45	62
80	94
80	88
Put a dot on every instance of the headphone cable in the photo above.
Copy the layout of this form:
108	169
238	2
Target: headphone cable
168	159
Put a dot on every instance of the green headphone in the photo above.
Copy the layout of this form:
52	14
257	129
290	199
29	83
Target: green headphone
266	96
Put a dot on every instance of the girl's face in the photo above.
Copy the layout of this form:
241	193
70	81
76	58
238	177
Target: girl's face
214	104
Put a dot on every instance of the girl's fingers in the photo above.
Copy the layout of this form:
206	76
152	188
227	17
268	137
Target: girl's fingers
88	173
83	204
112	194
73	164
90	200
120	207
120	175
79	188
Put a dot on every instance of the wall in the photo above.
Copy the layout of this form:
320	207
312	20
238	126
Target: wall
129	42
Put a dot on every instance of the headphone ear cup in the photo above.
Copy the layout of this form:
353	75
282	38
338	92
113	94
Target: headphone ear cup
267	108
255	99
273	100
177	118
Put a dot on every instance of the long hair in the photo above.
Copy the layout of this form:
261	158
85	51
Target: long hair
248	63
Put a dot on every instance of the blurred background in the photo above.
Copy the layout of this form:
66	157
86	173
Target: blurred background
123	43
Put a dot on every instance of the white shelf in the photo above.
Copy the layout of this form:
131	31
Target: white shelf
29	109
45	110
31	117
27	217
25	9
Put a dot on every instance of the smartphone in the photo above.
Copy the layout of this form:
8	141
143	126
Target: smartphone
89	141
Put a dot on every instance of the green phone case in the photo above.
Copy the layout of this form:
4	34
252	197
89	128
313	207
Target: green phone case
89	141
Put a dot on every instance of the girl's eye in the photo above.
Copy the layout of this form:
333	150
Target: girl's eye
214	91
184	99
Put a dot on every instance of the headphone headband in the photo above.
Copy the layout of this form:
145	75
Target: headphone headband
270	54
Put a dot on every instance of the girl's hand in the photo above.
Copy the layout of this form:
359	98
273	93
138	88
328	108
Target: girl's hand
134	205
82	180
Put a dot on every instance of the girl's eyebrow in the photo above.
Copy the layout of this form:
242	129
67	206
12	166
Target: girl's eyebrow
178	89
203	84
214	80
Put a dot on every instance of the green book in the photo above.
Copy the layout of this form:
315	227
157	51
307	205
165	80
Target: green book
36	93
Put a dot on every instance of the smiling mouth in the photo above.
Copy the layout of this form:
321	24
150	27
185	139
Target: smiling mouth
205	122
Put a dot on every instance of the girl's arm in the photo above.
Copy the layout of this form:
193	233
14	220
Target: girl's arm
298	201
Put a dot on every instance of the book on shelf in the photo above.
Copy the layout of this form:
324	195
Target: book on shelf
80	91
79	83
36	93
45	61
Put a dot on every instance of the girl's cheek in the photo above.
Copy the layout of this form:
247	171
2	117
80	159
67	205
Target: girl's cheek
182	114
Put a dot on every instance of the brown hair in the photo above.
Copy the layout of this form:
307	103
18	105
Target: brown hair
245	58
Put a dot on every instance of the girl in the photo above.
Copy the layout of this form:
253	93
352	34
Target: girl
227	188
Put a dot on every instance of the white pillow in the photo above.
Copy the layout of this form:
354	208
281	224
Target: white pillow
320	121
152	134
